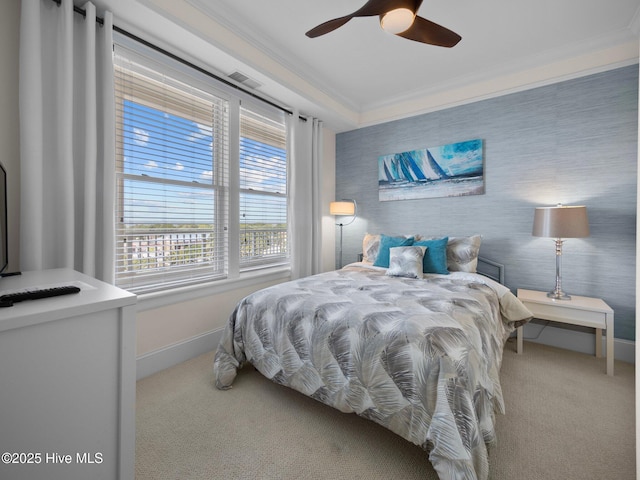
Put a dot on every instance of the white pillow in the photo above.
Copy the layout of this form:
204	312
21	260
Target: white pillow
370	247
462	253
406	261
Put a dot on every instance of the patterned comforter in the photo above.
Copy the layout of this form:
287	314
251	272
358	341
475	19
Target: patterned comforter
420	357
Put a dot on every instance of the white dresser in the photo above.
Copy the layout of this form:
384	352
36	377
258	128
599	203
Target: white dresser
67	380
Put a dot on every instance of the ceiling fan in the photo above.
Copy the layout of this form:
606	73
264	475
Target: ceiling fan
397	17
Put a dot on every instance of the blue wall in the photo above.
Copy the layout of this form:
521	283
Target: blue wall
573	142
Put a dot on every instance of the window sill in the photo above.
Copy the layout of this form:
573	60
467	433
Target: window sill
150	301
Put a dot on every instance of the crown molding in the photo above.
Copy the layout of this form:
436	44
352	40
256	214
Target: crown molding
571	61
504	83
295	83
264	43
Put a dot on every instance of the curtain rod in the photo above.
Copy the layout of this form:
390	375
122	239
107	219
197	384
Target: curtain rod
100	21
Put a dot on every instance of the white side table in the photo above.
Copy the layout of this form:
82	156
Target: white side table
584	311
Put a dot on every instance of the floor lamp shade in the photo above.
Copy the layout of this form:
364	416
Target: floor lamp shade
342	208
560	222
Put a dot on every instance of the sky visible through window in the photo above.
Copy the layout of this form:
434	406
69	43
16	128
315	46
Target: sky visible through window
172	160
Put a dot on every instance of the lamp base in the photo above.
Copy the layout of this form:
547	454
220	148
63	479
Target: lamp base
558	295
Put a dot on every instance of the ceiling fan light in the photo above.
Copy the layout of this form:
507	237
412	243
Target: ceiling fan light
397	21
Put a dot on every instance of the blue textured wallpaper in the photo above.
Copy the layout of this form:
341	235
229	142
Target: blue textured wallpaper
573	142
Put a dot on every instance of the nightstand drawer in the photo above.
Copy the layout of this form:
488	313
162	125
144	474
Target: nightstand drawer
569	314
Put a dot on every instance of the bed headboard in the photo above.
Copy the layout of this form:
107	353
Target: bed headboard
491	269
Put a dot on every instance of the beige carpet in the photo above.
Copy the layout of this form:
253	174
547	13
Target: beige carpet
565	420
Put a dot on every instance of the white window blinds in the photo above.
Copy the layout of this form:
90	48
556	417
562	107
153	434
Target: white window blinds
263	190
178	178
172	179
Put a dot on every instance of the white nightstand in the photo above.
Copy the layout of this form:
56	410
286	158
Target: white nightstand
584	311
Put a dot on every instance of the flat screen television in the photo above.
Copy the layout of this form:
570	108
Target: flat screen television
4	236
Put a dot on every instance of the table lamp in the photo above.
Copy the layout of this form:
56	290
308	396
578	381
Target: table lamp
561	221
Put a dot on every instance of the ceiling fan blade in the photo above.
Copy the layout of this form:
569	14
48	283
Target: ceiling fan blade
369	9
426	31
328	26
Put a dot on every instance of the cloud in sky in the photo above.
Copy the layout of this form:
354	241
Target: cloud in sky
204	131
140	136
259	172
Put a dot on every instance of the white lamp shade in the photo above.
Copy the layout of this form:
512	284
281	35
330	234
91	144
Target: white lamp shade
561	222
342	208
397	21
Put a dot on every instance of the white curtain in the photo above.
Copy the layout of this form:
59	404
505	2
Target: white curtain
67	139
305	195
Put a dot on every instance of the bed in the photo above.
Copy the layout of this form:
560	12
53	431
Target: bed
418	354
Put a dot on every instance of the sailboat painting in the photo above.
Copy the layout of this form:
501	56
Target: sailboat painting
451	170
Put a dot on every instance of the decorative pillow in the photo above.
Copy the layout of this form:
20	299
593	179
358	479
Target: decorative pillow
382	260
370	247
462	253
406	261
435	258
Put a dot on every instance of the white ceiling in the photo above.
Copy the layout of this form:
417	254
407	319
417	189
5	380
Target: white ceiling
360	75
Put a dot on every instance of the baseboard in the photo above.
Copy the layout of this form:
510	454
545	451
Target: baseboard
166	357
583	342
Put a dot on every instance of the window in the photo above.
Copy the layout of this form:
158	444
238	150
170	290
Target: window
263	191
173	180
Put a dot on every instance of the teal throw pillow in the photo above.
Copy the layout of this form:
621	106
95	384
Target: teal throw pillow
386	242
435	258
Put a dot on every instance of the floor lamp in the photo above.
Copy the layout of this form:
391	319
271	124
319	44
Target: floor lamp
345	207
560	222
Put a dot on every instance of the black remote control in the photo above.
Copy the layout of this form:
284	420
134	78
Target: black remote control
9	299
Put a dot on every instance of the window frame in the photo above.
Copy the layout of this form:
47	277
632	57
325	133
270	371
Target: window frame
276	141
233	270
